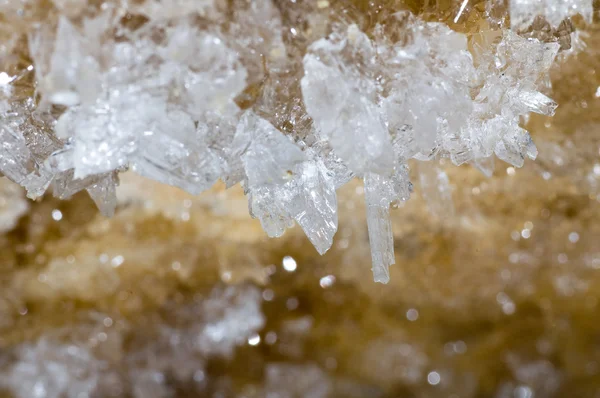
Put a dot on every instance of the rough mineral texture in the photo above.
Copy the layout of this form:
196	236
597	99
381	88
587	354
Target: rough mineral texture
448	149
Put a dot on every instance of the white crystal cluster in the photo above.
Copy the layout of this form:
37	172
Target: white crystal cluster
87	360
523	12
162	99
379	103
48	369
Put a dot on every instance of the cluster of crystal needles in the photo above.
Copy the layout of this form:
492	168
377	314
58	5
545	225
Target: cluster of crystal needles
187	93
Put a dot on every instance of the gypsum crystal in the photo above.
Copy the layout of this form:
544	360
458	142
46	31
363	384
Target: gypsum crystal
284	184
164	106
423	77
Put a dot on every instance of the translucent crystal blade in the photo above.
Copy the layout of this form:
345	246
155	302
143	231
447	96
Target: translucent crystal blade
15	159
315	207
381	238
269	157
104	194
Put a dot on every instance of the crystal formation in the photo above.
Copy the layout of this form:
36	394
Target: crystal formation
166	90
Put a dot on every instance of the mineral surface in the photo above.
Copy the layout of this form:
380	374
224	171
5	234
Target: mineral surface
180	118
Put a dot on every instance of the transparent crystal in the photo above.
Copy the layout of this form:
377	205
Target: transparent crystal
381	238
74	73
15	158
285	184
104	194
342	101
380	193
314	206
268	156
